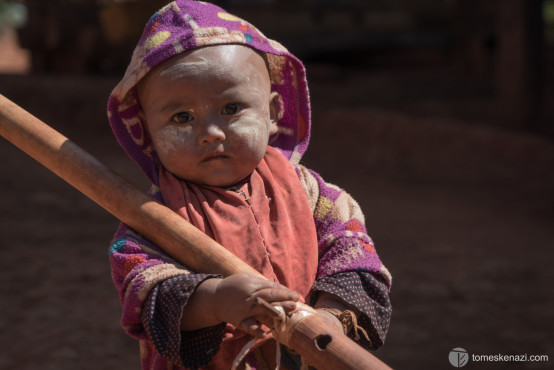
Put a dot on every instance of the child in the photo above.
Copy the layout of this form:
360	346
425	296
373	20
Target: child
218	118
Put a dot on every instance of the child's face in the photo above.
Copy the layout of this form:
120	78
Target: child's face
210	113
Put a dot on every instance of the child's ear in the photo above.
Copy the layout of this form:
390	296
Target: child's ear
275	113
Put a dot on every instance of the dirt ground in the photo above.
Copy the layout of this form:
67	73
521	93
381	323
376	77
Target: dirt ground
462	214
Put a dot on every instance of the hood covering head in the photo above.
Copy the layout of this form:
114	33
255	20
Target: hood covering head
186	25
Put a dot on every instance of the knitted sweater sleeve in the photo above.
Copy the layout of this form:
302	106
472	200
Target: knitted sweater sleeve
349	267
153	290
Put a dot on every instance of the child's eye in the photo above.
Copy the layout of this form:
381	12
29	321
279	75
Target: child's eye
182	117
231	108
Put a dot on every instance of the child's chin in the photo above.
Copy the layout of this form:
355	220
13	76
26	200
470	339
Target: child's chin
219	181
224	176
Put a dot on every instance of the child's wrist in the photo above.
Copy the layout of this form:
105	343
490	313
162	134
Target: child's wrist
199	311
208	289
329	301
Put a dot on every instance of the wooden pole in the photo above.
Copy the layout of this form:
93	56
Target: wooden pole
323	346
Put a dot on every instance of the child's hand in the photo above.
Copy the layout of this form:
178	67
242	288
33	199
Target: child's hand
235	300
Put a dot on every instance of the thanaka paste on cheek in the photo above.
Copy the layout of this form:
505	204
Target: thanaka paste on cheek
251	134
172	139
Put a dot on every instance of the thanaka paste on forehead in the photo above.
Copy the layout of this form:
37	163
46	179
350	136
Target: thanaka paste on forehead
197	63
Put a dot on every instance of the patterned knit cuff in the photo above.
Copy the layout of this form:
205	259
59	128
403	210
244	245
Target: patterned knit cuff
198	347
365	292
161	317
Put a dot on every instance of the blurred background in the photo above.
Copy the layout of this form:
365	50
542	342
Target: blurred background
436	115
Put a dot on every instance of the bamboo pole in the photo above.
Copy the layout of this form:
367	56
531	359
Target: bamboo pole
324	347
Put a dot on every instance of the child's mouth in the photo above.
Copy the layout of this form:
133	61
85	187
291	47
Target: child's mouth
214	157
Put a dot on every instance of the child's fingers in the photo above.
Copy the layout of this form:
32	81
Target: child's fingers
238	295
252	327
277	293
288	306
258	286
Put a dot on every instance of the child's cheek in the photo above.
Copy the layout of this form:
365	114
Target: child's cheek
172	140
251	133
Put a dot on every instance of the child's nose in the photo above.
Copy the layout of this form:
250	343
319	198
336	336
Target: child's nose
212	132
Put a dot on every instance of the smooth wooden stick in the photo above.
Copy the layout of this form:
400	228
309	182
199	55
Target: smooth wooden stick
312	338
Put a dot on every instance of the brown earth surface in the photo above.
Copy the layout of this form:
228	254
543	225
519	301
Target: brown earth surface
462	214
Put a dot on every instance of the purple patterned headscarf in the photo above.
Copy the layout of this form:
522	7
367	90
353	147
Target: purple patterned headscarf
186	25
